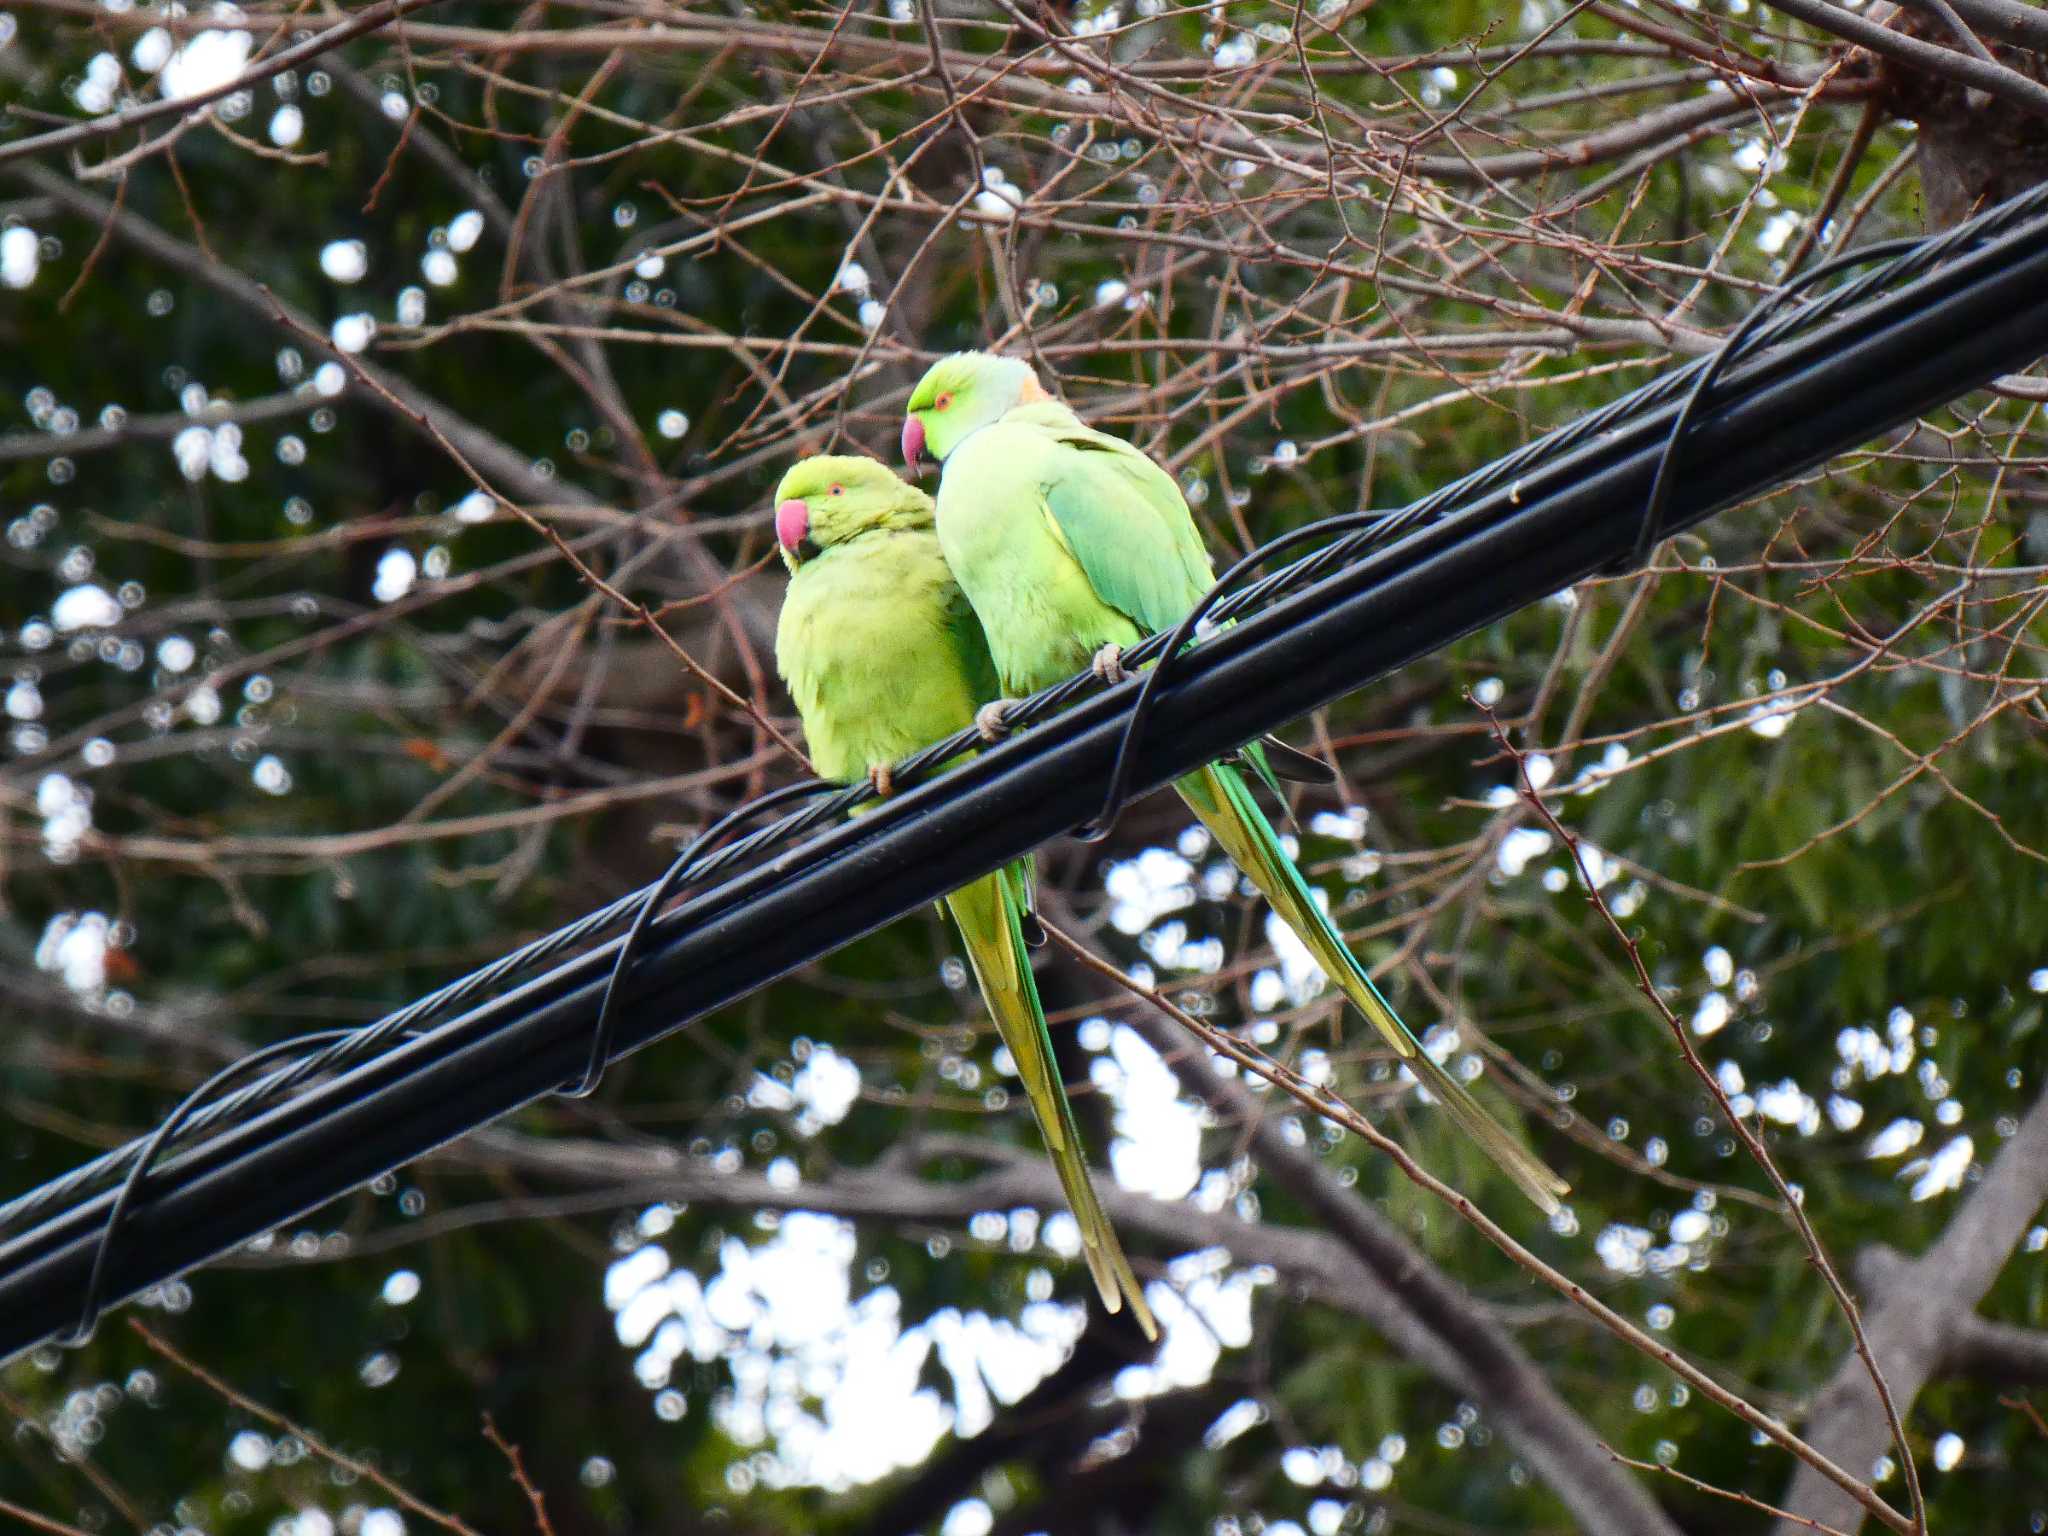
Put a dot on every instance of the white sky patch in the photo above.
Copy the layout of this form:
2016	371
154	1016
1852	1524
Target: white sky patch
345	261
1719	966
830	1380
1158	1146
1519	848
1147	888
1712	1015
476	507
1770	720
102	79
352	333
1171	948
210	60
1624	1248
1348	825
20	257
1241	1417
998	198
85	606
1778	229
74	947
1896	1139
66	808
1690	1226
1788	1104
1865	1049
464	230
270	775
1595	777
1944	1171
826	1086
766	1093
216	451
287	126
1236	51
397	570
24	700
1300	976
1207	1309
152	50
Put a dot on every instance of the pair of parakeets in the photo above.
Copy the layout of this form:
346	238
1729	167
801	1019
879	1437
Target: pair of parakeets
1051	547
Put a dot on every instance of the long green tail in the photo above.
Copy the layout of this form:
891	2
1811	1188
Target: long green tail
990	915
1219	796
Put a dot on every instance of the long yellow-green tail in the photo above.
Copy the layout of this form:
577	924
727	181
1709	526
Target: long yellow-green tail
1219	795
990	915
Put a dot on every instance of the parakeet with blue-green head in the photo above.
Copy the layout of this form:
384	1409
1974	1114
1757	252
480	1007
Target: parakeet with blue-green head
884	656
1072	545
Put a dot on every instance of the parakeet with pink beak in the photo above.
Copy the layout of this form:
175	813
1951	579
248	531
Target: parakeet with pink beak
1072	546
884	657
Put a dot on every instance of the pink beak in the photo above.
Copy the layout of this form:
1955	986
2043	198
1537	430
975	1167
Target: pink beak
913	444
792	523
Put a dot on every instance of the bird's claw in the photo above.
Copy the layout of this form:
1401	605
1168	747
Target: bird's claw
992	719
1108	664
883	778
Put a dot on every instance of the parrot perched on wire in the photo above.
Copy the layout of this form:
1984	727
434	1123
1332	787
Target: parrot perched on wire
884	657
1073	545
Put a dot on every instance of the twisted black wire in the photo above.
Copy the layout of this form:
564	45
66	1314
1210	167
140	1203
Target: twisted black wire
1367	531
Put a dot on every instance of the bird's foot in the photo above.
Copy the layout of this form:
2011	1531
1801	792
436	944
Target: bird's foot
883	777
1109	664
992	719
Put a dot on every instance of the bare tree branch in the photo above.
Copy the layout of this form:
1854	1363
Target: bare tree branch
2008	85
1914	1322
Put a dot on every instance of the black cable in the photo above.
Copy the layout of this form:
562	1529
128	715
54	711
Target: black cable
1816	379
371	1039
1177	638
92	1302
658	895
1703	383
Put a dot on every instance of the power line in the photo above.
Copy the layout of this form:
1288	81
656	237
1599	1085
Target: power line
1812	380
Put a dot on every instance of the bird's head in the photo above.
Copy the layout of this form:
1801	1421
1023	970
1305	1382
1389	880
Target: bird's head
961	394
830	498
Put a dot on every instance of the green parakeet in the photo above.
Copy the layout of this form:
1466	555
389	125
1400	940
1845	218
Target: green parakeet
883	657
1072	545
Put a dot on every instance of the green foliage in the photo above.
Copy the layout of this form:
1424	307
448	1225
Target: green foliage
448	792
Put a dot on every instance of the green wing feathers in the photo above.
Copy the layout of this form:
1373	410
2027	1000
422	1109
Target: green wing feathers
1219	796
989	913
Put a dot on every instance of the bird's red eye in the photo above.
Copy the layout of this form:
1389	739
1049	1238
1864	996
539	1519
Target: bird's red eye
943	401
838	490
